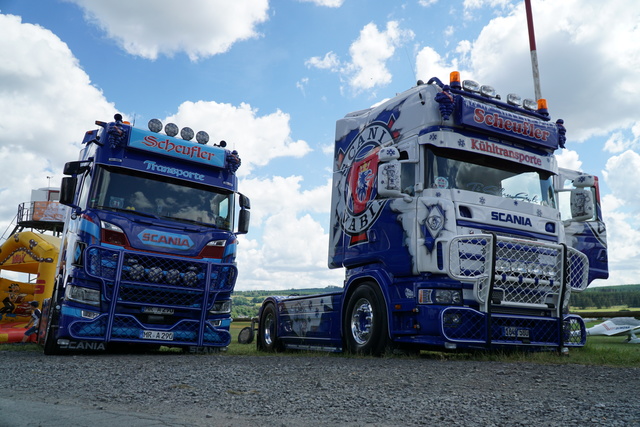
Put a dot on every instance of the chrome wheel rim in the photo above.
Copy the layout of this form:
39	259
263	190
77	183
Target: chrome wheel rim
361	321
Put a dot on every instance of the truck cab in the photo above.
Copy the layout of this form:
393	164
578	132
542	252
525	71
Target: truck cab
445	215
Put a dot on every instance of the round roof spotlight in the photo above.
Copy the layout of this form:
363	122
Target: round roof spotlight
186	134
222	144
155	125
171	129
202	137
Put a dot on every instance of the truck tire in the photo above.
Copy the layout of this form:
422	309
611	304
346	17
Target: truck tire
365	327
268	330
51	347
246	335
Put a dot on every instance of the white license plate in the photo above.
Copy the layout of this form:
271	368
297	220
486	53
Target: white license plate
513	332
157	310
157	335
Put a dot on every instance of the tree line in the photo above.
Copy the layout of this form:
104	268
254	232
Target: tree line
607	297
247	303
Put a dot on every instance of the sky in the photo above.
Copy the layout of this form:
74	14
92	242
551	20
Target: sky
272	77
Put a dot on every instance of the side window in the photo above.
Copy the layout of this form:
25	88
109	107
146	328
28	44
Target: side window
84	190
408	177
564	201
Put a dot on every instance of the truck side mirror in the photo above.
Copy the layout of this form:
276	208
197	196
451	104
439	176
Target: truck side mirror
68	190
243	221
245	214
582	204
74	168
389	172
245	203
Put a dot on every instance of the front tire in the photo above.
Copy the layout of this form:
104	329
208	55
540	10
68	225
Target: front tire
268	330
365	327
51	347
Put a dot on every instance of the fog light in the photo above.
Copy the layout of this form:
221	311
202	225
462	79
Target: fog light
452	319
89	314
190	278
136	272
172	276
155	274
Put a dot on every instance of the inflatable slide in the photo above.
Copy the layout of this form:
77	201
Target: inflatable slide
37	255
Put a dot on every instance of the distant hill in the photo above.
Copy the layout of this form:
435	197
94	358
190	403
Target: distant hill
607	296
247	303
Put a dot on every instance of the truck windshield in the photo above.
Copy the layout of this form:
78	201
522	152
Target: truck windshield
452	169
121	190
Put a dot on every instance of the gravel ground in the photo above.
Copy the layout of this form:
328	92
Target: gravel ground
293	390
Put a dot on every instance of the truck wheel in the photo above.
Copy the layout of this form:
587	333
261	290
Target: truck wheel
365	328
246	335
51	347
268	330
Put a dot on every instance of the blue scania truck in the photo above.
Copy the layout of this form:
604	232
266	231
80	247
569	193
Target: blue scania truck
455	227
149	244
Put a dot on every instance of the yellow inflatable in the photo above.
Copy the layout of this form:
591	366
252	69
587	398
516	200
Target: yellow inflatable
35	254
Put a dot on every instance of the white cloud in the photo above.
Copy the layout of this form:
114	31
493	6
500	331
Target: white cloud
47	102
622	175
367	68
620	211
330	62
620	141
258	139
569	159
370	53
200	28
292	252
430	64
302	84
327	3
278	194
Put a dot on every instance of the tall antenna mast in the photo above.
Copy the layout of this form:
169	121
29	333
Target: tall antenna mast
532	47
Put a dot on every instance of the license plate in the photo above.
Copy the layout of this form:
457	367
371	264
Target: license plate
513	332
157	310
157	335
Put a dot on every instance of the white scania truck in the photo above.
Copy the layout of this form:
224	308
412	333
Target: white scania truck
456	229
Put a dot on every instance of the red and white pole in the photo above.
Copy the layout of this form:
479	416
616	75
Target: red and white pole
532	47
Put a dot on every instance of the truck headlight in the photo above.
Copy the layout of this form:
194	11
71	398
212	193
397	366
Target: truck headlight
82	295
439	296
221	307
447	296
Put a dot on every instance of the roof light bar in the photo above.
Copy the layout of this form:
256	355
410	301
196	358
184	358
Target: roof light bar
488	91
186	133
155	125
471	86
171	129
530	104
514	99
202	137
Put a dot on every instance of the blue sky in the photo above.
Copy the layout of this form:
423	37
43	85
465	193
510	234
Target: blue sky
271	78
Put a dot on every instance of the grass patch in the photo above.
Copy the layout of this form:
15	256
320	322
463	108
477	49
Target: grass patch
599	350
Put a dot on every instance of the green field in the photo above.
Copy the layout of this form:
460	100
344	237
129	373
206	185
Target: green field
605	351
608	351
